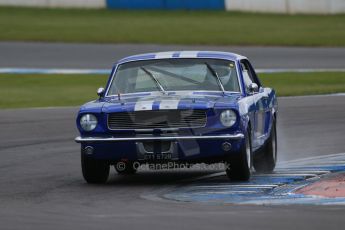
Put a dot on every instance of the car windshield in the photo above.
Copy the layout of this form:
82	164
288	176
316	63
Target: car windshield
175	75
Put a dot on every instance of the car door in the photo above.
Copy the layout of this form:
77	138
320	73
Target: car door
260	102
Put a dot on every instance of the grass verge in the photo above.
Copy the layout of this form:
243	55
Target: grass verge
22	91
170	27
26	90
298	84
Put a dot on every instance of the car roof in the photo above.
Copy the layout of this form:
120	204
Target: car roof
182	54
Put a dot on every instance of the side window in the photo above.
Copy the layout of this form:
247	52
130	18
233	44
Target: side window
248	74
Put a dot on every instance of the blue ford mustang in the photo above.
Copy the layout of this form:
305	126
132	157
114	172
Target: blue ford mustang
186	107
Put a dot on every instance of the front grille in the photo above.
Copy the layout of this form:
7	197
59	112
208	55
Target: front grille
157	119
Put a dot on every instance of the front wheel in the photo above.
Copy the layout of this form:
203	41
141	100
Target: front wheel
267	162
94	171
240	166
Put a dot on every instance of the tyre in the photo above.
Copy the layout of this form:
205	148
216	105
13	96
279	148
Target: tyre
94	171
266	162
240	166
125	168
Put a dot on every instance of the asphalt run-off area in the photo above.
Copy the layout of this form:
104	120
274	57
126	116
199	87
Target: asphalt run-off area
314	180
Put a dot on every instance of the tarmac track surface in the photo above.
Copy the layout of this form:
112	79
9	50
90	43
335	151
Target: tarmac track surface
41	185
102	56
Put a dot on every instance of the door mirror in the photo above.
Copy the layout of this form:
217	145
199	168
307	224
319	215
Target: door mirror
253	88
100	92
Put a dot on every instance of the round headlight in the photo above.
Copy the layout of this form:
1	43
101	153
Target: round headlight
228	118
88	122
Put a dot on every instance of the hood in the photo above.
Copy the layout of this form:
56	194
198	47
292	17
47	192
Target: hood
158	101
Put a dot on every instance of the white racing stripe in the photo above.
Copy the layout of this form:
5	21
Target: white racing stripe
143	105
189	54
164	55
169	104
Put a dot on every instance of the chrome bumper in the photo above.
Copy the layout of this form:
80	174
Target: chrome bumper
155	138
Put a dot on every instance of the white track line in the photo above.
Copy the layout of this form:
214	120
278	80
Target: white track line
107	71
286	163
311	158
286	175
53	71
238	186
294	70
317	95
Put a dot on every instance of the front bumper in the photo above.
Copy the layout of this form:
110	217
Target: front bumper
158	138
182	148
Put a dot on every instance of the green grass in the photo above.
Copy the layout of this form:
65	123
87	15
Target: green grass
297	84
170	27
20	91
26	90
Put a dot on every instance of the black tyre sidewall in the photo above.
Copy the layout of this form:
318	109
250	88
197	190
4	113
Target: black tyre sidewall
239	170
267	161
94	171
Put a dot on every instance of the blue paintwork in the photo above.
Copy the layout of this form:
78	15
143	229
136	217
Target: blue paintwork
251	109
167	4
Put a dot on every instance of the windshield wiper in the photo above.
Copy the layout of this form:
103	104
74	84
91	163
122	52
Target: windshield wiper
154	79
215	74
